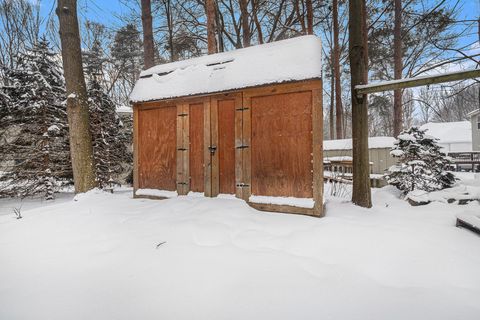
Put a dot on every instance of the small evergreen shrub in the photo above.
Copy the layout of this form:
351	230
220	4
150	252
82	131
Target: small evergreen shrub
422	166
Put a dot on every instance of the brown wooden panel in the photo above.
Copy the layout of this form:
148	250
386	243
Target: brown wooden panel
196	147
281	145
207	138
226	145
157	148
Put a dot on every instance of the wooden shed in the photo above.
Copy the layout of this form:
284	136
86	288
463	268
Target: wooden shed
246	123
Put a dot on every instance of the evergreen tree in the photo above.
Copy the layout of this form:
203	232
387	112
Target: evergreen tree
421	163
127	58
34	146
109	144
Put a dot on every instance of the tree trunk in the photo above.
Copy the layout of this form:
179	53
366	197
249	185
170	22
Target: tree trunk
398	66
309	16
336	67
361	176
77	106
257	23
148	46
210	10
332	101
245	23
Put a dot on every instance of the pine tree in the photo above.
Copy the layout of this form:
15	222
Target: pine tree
109	144
34	147
421	163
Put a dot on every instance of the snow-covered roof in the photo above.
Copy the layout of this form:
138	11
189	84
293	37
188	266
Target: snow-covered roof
473	113
124	109
449	132
282	61
346	144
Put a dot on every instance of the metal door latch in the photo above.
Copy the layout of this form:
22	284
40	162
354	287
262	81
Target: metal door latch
212	149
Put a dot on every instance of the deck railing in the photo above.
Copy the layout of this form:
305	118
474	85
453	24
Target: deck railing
466	158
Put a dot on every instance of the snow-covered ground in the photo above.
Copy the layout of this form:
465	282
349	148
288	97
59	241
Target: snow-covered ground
108	256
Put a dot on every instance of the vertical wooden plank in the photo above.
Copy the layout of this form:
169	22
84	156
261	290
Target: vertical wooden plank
317	127
226	145
182	149
215	182
135	148
238	142
186	153
206	143
196	146
246	150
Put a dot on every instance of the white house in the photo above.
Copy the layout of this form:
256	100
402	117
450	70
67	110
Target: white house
453	136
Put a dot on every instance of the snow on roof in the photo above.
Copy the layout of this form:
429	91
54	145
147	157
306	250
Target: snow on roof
282	61
449	132
124	109
346	144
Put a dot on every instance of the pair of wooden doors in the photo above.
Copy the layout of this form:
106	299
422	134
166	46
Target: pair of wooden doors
206	146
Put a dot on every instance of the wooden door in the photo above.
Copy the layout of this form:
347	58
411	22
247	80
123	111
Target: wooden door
281	145
157	148
224	115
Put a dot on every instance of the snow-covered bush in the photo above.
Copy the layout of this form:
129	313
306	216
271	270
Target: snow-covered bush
422	166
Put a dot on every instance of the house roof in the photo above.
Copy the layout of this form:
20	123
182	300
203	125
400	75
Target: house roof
346	144
449	132
124	109
282	61
473	113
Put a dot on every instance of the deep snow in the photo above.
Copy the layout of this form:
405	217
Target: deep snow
97	258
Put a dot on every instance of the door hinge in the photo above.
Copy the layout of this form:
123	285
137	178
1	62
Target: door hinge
183	114
182	149
242	147
242	109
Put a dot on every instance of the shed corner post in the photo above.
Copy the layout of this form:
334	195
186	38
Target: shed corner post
317	128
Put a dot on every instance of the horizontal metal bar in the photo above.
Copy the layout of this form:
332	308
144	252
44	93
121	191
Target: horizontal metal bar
242	147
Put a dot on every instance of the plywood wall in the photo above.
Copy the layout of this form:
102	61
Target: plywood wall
157	148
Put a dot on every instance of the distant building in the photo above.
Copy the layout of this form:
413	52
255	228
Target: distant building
475	123
378	152
453	136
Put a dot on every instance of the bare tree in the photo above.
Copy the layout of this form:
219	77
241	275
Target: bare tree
77	104
245	23
148	46
336	67
210	11
361	193
398	67
19	29
309	6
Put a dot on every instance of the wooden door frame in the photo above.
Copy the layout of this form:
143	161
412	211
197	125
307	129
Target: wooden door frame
215	168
